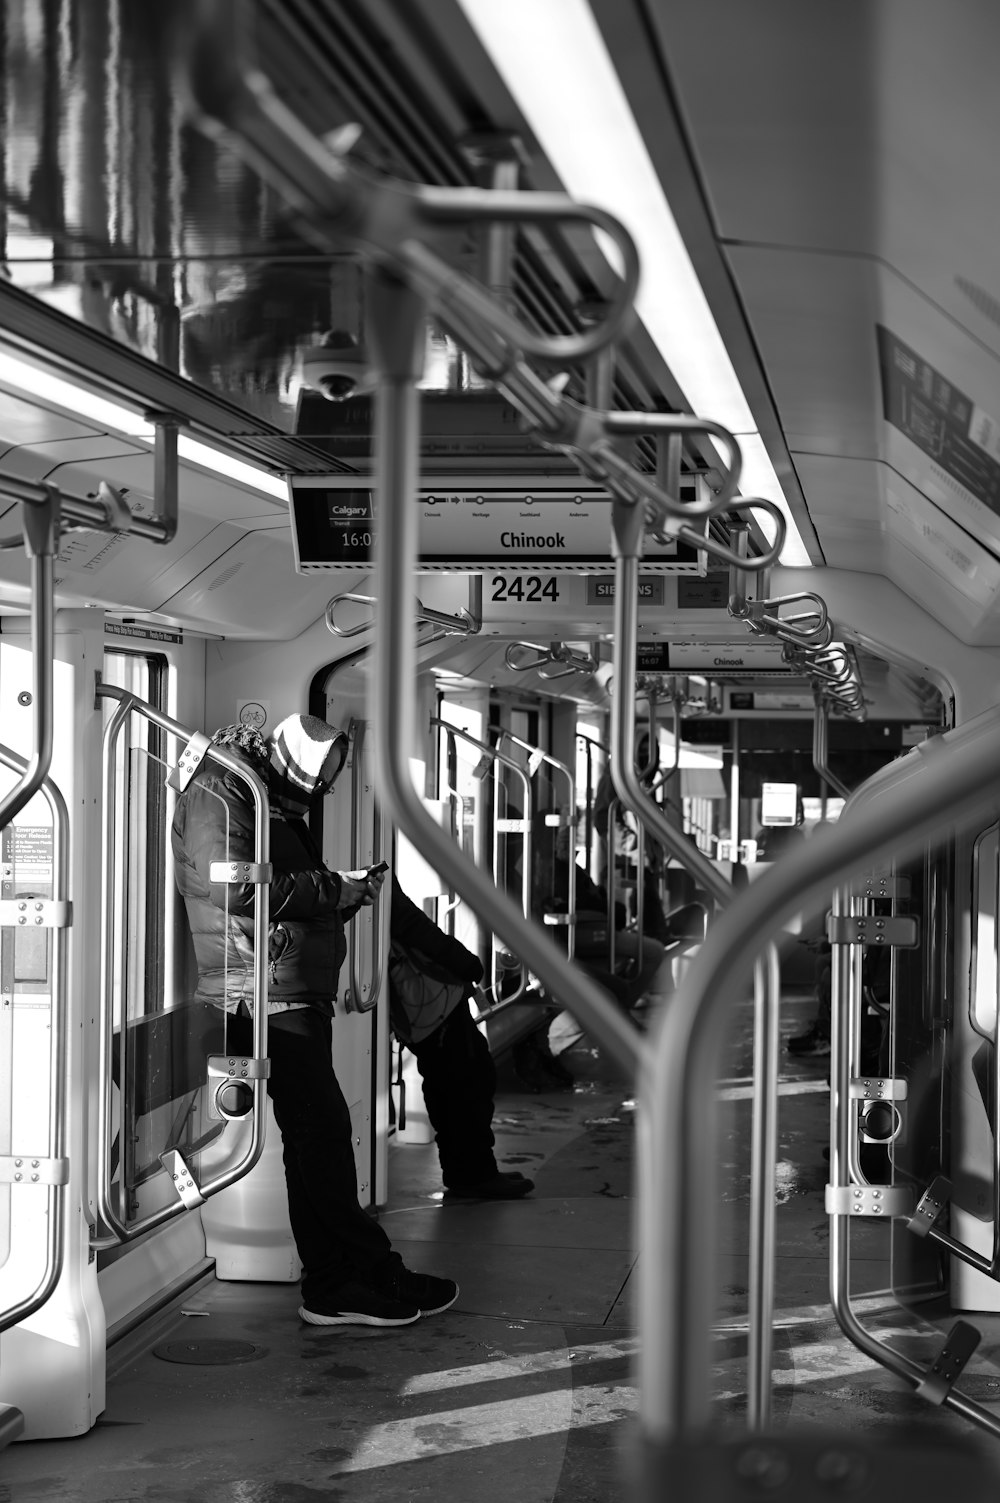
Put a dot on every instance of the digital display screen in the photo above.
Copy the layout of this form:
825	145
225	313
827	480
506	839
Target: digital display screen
334	526
543	521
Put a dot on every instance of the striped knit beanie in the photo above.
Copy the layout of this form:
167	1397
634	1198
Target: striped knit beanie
299	747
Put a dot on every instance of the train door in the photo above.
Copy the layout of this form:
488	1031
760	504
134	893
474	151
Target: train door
51	1362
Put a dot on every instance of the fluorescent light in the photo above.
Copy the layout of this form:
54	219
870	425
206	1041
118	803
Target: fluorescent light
553	59
28	380
234	469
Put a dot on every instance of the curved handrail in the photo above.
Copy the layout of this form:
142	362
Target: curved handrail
396	326
764	616
526	855
916	802
467	623
59	1085
122	1232
333	198
337	202
556	652
627	535
378	917
41	542
669	528
635	424
819	749
561	768
667	773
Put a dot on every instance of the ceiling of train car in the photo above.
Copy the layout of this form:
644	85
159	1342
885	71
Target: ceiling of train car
120	214
775	140
845	154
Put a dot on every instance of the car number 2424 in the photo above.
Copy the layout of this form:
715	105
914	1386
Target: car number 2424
525	587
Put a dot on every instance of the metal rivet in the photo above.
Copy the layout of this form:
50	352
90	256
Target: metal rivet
18	1176
34	1177
18	1163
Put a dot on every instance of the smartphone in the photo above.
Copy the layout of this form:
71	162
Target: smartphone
383	866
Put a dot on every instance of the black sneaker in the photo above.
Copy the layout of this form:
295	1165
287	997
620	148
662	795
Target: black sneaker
499	1186
357	1305
430	1295
812	1045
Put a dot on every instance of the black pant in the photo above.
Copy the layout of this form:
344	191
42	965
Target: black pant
337	1241
459	1081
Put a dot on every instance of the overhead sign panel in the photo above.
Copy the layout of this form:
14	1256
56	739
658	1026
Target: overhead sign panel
545	521
727	657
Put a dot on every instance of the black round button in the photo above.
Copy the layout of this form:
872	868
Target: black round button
235	1098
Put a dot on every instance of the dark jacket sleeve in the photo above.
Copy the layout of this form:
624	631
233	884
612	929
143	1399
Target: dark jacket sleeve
215	822
411	928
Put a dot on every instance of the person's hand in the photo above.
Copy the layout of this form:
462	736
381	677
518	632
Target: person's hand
360	889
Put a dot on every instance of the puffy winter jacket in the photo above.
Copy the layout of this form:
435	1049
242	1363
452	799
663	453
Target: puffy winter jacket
214	821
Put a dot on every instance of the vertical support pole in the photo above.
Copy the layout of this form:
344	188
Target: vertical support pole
763	1154
734	793
41	543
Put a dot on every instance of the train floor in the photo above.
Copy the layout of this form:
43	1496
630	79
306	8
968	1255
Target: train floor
525	1389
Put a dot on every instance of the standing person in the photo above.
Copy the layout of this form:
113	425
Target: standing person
430	978
350	1273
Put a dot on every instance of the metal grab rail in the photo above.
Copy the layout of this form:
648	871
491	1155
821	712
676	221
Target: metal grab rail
396	323
557	652
108	511
665	775
336	202
526	854
765	616
627	541
467	623
334	199
41	542
614	882
536	755
591	789
819	749
56	1162
807	637
852	993
396	316
916	802
130	704
378	921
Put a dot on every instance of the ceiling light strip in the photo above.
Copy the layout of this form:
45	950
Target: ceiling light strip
553	59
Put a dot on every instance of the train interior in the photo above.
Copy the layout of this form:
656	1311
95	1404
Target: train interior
320	393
